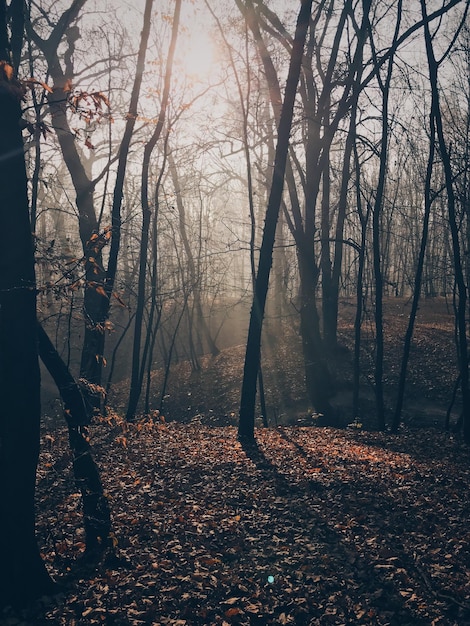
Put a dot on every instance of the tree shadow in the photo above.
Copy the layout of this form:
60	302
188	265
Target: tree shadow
370	583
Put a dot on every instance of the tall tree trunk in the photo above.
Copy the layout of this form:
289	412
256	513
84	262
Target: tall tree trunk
123	156
137	366
317	375
363	219
419	274
253	345
329	310
23	574
376	225
461	320
343	197
155	305
244	105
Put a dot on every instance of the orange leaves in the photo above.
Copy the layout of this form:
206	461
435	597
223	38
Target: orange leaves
6	71
72	274
100	289
97	241
88	144
9	83
101	359
119	299
121	441
218	537
90	106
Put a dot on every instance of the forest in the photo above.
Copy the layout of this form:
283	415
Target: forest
234	312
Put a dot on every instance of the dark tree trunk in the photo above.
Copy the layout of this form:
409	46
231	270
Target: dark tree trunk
461	321
317	375
23	575
364	219
343	198
138	367
244	105
376	226
96	513
253	345
418	278
329	305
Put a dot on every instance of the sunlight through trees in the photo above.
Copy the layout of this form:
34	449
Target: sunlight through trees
187	181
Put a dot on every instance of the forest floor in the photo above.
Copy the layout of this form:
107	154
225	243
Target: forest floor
313	526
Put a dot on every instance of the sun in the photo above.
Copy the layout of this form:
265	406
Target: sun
197	55
196	47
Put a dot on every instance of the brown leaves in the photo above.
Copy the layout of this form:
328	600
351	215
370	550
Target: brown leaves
318	527
88	144
89	105
9	83
6	71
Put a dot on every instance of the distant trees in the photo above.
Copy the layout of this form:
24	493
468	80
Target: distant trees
336	100
461	278
310	171
351	214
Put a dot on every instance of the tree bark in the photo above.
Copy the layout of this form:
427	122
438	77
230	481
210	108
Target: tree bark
418	275
23	575
253	346
462	346
138	367
376	225
96	512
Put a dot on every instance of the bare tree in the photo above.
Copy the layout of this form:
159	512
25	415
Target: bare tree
462	287
252	355
138	368
384	85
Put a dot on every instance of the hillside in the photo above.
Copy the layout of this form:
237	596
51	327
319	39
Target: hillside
211	394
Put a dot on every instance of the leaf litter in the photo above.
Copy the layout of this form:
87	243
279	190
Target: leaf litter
311	526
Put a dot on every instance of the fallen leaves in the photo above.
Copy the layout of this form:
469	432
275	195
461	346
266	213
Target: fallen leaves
317	526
